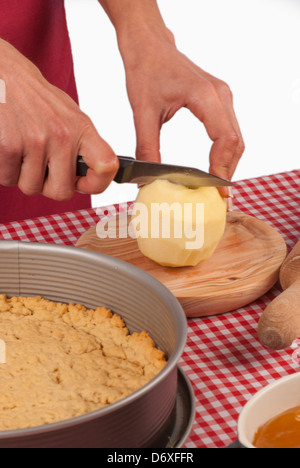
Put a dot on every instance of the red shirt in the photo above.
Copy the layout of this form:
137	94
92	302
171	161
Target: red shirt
38	29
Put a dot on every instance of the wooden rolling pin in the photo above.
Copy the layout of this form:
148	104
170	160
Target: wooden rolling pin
279	324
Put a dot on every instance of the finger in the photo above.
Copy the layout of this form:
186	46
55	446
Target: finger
229	171
226	97
34	164
226	193
11	152
60	181
101	160
32	173
10	167
209	109
147	126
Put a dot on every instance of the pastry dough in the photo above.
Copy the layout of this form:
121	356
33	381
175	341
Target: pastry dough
63	361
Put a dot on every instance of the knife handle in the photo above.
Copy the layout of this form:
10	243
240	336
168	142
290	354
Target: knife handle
125	162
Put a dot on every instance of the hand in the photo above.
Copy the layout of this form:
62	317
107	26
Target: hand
42	131
160	81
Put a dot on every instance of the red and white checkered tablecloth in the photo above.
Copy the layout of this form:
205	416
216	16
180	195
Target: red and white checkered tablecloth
223	358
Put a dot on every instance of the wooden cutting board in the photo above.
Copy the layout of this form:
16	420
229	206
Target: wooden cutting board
244	267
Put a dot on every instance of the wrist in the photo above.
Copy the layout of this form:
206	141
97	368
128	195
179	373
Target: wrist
140	39
137	23
143	34
12	62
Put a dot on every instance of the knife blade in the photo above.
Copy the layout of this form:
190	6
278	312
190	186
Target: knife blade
144	172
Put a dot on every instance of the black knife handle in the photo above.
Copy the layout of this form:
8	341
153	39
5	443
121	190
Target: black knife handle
125	163
81	167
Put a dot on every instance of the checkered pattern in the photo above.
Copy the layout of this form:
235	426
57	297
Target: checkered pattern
223	358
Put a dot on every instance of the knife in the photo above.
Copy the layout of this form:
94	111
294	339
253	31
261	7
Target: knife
144	172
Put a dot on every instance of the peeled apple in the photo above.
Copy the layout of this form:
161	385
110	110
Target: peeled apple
176	226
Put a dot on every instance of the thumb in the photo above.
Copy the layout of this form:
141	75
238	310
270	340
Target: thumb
102	162
147	128
226	192
221	165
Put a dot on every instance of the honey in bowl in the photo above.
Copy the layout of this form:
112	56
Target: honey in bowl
283	431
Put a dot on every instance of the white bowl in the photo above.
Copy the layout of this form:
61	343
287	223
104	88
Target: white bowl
269	402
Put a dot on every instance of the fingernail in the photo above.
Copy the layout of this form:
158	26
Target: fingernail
230	193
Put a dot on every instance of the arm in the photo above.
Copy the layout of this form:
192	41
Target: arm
136	17
161	80
43	130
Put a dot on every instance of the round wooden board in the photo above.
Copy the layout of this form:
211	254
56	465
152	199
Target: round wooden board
245	265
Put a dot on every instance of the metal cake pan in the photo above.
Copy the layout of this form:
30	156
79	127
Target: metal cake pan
68	274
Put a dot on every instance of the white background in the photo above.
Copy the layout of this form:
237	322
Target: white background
253	45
